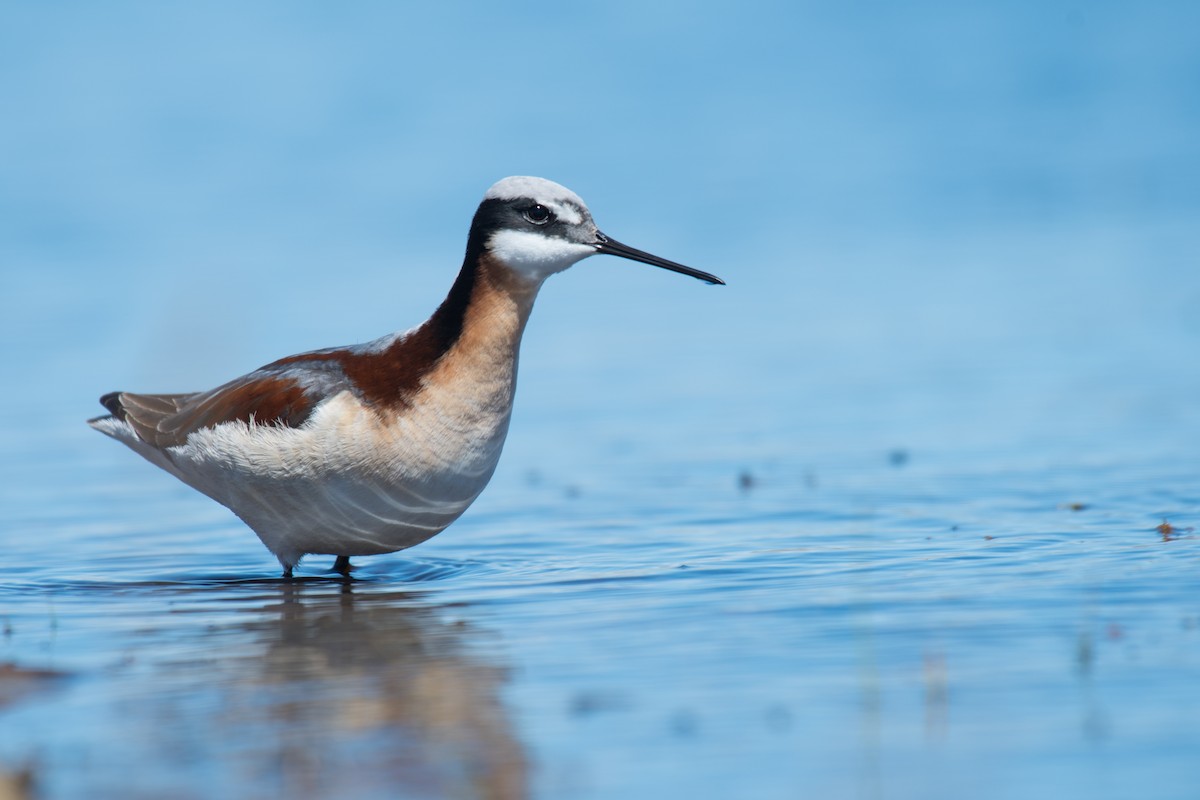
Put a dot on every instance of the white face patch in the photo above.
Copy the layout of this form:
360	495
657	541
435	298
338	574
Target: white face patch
536	256
567	212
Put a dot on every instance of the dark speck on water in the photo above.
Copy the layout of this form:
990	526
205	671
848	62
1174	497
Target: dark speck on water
593	702
778	718
685	723
1170	532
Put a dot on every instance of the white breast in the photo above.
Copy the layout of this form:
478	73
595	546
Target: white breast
350	482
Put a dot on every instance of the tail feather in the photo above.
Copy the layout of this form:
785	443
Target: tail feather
112	401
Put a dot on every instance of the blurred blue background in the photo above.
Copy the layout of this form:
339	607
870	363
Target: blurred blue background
962	234
983	213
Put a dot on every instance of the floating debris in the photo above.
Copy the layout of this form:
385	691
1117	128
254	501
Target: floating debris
746	480
899	457
1073	506
1171	532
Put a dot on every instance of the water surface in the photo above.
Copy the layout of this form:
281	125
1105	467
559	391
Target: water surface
906	510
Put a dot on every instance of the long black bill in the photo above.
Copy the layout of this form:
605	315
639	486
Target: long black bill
612	247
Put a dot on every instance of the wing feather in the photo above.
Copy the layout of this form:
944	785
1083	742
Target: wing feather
283	393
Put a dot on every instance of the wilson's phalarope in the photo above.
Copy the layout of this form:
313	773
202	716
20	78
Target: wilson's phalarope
373	448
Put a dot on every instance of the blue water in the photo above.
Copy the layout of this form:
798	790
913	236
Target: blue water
882	518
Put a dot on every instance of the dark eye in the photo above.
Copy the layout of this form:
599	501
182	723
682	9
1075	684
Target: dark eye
538	215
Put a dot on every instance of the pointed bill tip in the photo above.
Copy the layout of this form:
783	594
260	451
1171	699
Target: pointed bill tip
612	247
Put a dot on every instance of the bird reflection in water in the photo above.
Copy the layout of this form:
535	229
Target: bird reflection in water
370	692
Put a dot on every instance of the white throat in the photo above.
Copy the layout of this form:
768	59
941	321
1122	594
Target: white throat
535	256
